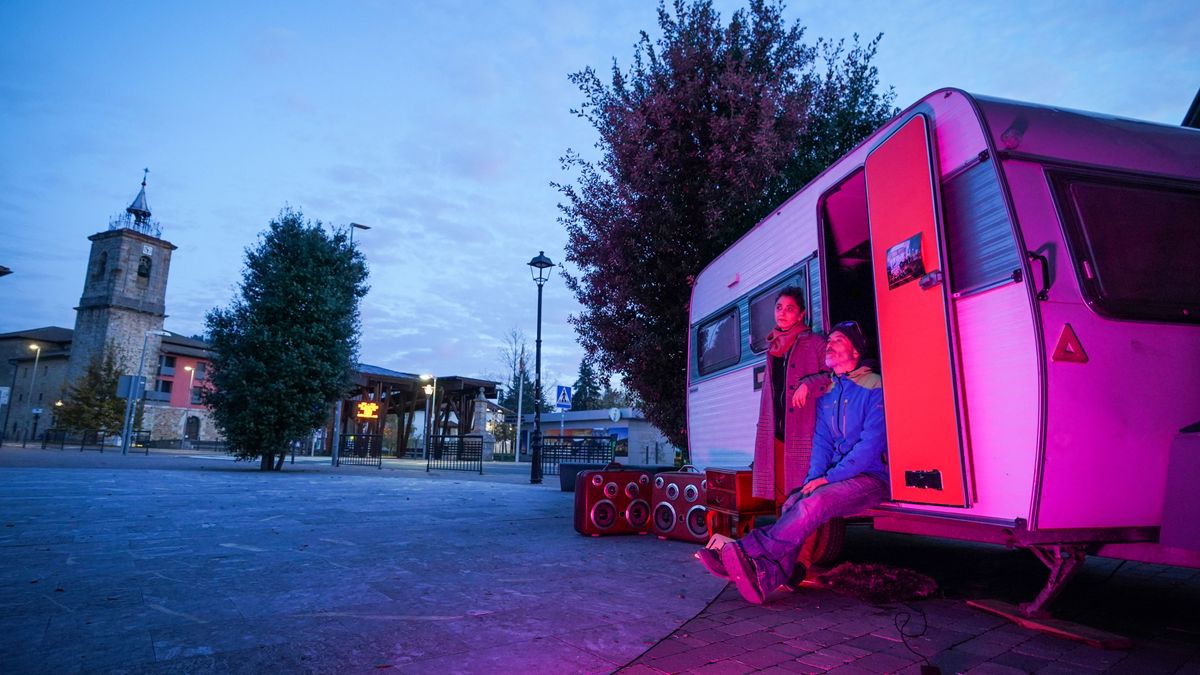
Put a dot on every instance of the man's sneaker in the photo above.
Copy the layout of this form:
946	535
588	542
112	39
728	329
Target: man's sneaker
743	573
711	559
799	572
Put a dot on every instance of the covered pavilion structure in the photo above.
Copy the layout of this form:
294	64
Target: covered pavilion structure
381	393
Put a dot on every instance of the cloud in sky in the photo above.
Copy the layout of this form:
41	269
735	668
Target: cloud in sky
440	125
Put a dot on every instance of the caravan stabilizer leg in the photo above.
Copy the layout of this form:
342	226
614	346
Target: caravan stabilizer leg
1064	561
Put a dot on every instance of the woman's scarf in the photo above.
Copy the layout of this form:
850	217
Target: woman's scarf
780	341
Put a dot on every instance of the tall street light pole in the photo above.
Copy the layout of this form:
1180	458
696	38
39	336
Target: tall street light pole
356	226
430	408
138	387
537	269
29	423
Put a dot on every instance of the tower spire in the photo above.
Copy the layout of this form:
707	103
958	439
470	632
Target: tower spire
140	208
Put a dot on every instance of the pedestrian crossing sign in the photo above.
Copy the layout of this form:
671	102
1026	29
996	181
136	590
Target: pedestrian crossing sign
563	399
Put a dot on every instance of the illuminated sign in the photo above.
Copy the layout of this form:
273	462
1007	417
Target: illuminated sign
368	410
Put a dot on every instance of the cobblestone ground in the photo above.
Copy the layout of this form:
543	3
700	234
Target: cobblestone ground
192	565
815	630
178	563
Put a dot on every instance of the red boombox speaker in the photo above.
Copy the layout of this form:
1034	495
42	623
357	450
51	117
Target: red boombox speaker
680	505
612	500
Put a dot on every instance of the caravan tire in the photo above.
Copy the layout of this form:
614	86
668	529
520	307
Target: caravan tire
824	547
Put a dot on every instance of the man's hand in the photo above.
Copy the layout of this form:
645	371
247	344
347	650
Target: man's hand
800	396
812	485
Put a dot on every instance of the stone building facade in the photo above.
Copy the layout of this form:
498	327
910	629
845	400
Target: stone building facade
123	305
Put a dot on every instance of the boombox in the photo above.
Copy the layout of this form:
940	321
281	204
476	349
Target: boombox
612	500
680	510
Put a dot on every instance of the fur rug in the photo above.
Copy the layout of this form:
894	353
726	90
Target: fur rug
878	584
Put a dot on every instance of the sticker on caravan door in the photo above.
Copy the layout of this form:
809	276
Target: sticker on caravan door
904	262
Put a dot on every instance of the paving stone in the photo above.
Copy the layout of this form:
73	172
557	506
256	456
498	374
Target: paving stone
882	663
956	661
823	659
765	657
724	668
1023	662
992	668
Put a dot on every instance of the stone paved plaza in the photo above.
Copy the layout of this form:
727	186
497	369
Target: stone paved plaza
193	564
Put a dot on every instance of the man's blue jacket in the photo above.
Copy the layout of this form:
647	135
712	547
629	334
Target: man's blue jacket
849	438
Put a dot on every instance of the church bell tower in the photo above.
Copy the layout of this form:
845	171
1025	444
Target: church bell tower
124	291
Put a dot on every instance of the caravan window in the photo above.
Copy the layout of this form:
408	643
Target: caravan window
983	250
718	341
762	312
1134	243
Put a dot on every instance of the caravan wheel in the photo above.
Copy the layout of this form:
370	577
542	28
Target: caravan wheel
824	547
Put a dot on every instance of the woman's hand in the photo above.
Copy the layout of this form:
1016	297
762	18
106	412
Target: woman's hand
801	395
812	485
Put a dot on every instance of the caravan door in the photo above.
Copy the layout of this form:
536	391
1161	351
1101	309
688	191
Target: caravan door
920	389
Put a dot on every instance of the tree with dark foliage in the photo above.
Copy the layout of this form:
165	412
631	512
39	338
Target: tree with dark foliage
585	395
711	127
91	401
285	350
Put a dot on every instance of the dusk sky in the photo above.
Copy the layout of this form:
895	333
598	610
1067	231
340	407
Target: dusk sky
440	125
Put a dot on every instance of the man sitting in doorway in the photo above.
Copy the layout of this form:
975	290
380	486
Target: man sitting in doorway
846	475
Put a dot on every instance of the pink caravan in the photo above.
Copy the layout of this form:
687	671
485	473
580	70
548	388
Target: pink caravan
1030	279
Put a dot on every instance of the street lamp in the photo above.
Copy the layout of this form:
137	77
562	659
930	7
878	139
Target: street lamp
537	269
29	423
430	392
356	226
191	383
137	386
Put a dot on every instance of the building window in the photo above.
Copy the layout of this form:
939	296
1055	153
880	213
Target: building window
719	342
201	369
166	365
196	396
144	265
163	386
101	265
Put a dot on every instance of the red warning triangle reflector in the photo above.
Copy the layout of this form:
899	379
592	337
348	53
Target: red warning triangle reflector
1068	348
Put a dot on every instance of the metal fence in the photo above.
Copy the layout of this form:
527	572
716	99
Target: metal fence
93	439
556	451
360	449
455	453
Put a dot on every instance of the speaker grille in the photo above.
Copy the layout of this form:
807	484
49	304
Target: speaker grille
610	490
604	514
697	521
664	517
638	513
690	493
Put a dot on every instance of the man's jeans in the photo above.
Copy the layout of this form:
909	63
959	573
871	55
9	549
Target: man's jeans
775	547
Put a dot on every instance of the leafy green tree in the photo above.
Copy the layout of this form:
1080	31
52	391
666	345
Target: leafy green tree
585	395
711	127
285	349
91	401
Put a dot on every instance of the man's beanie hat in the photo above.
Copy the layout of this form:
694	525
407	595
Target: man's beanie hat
854	334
